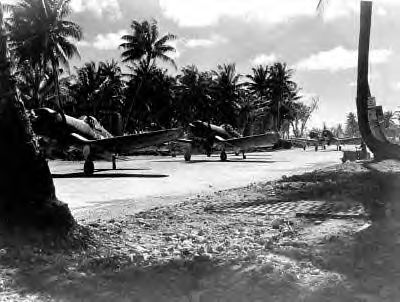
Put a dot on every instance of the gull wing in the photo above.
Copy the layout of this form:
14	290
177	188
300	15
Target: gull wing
302	141
253	141
130	143
348	140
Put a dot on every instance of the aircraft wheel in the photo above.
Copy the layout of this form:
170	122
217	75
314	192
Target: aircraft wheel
187	156
304	148
223	156
324	147
88	168
316	148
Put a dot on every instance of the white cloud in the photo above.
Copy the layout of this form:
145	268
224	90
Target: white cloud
396	85
98	7
213	40
82	43
109	40
339	8
263	59
340	58
209	12
175	44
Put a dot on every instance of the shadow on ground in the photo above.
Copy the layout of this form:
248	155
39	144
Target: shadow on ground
332	260
107	175
198	279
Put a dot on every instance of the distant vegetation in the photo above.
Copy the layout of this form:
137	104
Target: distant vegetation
43	39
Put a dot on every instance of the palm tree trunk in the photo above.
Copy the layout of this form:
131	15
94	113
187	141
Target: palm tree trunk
27	193
374	138
57	86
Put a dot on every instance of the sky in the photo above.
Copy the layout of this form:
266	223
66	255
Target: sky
321	46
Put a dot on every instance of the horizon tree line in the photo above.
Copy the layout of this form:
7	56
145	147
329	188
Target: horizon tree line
147	97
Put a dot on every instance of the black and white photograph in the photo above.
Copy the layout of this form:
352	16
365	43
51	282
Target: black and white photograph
199	150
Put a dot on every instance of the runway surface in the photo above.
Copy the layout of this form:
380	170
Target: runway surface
144	179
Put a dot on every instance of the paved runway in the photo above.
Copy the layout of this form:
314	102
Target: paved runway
151	177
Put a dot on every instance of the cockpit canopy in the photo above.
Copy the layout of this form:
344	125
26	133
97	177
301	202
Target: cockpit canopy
232	132
91	121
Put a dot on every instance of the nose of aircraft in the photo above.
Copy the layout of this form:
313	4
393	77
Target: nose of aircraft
43	119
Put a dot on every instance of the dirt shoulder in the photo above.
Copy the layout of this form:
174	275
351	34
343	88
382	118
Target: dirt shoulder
329	235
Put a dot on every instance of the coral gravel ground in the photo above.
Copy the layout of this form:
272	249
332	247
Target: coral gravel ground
210	248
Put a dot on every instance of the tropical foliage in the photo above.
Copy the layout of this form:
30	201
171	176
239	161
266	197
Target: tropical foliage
352	128
42	37
148	96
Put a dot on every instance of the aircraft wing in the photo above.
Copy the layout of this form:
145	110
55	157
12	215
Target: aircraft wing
303	141
253	141
348	140
128	143
184	140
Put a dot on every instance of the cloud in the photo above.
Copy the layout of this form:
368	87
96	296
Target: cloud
82	43
213	40
100	8
209	12
263	59
332	10
396	85
109	41
175	44
340	58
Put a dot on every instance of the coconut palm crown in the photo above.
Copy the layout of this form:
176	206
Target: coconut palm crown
41	34
145	44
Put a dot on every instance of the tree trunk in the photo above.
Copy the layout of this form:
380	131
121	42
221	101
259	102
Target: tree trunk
374	138
27	193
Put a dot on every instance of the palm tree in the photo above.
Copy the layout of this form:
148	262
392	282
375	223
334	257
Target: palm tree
42	36
145	44
225	92
282	90
27	194
34	85
258	84
193	100
142	48
373	135
98	88
153	102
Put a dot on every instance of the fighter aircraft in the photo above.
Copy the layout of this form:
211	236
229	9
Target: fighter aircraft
60	131
206	137
325	138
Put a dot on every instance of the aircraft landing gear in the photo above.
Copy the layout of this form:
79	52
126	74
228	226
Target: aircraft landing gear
316	147
88	167
114	163
187	155
304	147
324	147
223	156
